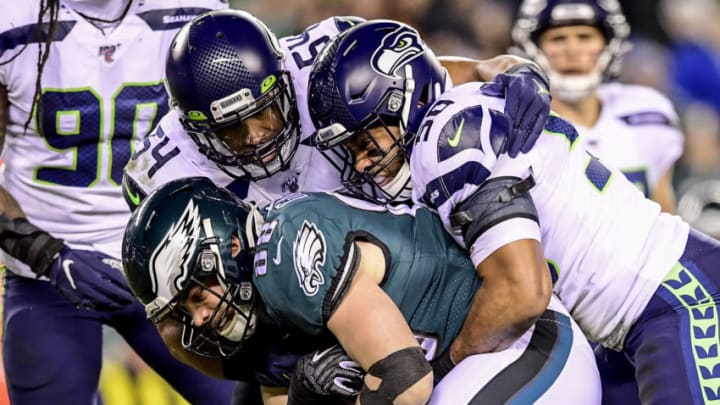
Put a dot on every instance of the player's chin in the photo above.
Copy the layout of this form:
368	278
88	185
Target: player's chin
270	157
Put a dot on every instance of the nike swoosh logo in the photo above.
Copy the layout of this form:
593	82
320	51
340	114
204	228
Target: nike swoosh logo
66	268
134	197
318	355
455	140
278	255
541	88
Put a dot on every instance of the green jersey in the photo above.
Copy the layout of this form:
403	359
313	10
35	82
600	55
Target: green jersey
306	259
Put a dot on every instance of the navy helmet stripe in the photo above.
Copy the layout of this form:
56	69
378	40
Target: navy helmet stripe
170	18
26	34
527	378
449	183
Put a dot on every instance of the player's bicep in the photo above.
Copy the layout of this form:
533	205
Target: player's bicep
384	329
368	324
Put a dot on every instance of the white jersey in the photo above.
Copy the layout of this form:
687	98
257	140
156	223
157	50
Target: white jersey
608	246
99	92
636	132
170	153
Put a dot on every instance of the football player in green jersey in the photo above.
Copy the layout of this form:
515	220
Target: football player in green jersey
387	283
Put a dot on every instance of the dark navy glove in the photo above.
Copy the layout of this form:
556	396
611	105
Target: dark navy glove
527	105
90	280
326	374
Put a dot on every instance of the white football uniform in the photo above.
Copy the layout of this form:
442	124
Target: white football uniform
608	246
506	376
636	133
68	180
170	153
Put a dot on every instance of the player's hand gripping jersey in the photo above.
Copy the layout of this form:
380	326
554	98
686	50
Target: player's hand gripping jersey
68	179
170	153
608	247
636	132
309	261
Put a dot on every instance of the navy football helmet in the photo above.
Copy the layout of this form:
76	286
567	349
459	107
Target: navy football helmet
537	16
224	67
378	74
180	237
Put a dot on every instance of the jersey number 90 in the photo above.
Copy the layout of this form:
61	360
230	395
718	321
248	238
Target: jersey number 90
73	122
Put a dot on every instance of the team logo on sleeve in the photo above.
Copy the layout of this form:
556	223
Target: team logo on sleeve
173	254
397	48
309	251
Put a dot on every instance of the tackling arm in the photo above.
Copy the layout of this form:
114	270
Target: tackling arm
516	289
373	331
464	70
516	285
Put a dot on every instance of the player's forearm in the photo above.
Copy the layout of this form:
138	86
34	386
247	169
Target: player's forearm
463	70
515	291
492	324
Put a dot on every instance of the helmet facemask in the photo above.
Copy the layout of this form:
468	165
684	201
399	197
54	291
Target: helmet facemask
234	319
387	179
259	161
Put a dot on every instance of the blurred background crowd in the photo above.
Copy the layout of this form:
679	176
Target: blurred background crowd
676	50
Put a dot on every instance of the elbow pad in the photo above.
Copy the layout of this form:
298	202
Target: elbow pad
495	201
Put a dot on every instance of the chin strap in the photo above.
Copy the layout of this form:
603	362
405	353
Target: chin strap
253	224
400	187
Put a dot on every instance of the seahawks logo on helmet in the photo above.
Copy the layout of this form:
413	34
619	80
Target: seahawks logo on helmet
309	251
170	261
397	48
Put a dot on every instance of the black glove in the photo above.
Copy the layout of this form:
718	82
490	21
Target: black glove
527	104
326	374
88	279
441	366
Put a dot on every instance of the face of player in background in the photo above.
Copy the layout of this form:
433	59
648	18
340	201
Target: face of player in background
572	50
